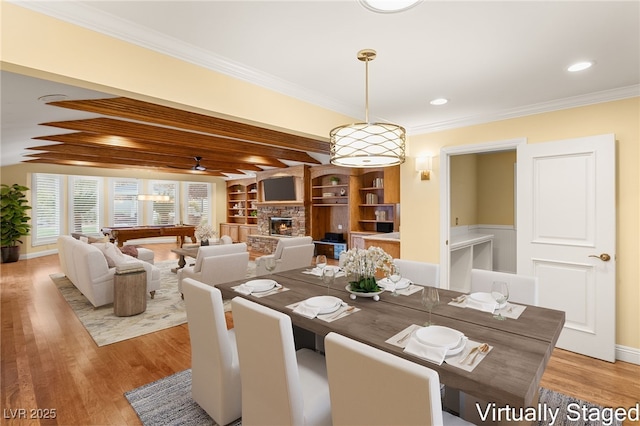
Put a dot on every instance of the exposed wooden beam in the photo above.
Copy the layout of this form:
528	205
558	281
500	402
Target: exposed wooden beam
135	145
145	132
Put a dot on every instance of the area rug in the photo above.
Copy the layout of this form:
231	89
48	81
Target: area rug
164	311
168	402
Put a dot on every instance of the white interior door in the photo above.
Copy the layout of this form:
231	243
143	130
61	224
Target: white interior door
566	236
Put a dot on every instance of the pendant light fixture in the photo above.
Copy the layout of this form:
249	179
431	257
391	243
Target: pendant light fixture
367	144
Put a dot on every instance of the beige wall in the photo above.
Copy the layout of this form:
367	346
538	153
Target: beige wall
421	199
482	189
41	46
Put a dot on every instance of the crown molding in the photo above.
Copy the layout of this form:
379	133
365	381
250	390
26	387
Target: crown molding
555	105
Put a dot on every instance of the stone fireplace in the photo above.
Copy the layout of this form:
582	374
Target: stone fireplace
289	221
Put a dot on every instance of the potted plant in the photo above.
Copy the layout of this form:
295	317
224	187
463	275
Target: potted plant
334	180
13	220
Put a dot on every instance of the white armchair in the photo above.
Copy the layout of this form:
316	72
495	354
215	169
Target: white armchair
217	264
291	253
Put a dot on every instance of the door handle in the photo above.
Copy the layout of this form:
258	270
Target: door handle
604	257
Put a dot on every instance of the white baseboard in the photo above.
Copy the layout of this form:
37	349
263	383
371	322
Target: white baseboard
628	354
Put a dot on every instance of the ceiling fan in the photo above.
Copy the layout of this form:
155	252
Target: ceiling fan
197	166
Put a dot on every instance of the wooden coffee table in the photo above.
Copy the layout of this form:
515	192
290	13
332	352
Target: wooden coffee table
182	252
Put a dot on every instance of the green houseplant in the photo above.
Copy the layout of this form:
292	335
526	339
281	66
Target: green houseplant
13	220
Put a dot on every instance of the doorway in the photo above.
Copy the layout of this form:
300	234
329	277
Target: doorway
469	217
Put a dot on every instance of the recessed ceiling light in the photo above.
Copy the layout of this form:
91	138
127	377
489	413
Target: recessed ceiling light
580	66
439	101
53	98
389	6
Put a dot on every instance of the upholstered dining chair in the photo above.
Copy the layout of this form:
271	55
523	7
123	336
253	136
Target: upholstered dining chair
421	273
369	386
215	370
279	385
290	253
522	288
217	264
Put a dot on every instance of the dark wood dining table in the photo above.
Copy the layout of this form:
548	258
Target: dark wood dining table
508	375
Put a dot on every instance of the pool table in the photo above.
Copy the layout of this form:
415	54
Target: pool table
124	233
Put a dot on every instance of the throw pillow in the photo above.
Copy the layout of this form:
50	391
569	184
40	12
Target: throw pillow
130	250
112	254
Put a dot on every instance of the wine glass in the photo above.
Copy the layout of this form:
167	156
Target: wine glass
394	276
328	277
321	262
270	264
500	292
430	299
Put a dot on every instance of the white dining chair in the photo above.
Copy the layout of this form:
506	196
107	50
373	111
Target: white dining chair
369	386
215	369
421	273
279	385
522	288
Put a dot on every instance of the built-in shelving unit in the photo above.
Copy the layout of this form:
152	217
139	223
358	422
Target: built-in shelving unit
242	211
378	200
330	200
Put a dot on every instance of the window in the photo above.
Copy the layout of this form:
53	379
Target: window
46	209
164	212
125	202
197	203
86	204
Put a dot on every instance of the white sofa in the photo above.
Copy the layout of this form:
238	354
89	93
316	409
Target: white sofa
217	264
290	253
86	267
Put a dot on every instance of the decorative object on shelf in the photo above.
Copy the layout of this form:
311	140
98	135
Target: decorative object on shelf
423	166
334	180
367	144
343	192
361	266
14	220
204	232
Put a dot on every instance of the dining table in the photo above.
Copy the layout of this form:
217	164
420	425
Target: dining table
508	375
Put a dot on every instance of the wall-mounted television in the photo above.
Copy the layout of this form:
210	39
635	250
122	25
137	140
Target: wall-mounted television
279	189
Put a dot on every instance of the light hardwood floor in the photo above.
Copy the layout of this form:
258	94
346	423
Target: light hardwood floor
49	361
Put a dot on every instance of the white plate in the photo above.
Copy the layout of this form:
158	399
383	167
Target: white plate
361	294
402	284
485	298
438	336
260	285
456	350
324	304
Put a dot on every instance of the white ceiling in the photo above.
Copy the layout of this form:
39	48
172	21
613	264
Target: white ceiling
492	60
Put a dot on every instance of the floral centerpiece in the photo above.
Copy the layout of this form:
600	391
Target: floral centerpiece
204	232
361	266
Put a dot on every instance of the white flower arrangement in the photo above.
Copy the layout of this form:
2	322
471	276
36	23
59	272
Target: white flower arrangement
205	232
362	264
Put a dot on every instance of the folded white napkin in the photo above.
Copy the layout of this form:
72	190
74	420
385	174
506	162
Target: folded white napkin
247	289
430	353
318	271
484	307
306	311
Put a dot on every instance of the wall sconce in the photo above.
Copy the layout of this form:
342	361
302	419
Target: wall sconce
153	197
423	166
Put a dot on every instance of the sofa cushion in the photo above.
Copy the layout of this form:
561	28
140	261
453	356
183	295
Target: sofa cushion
112	253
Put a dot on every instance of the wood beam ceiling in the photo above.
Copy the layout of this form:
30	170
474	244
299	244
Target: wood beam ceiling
168	139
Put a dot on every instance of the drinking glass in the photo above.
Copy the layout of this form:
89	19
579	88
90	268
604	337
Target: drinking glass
394	276
321	262
270	264
328	277
500	292
430	299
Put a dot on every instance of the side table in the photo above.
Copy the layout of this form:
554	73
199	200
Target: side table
129	292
